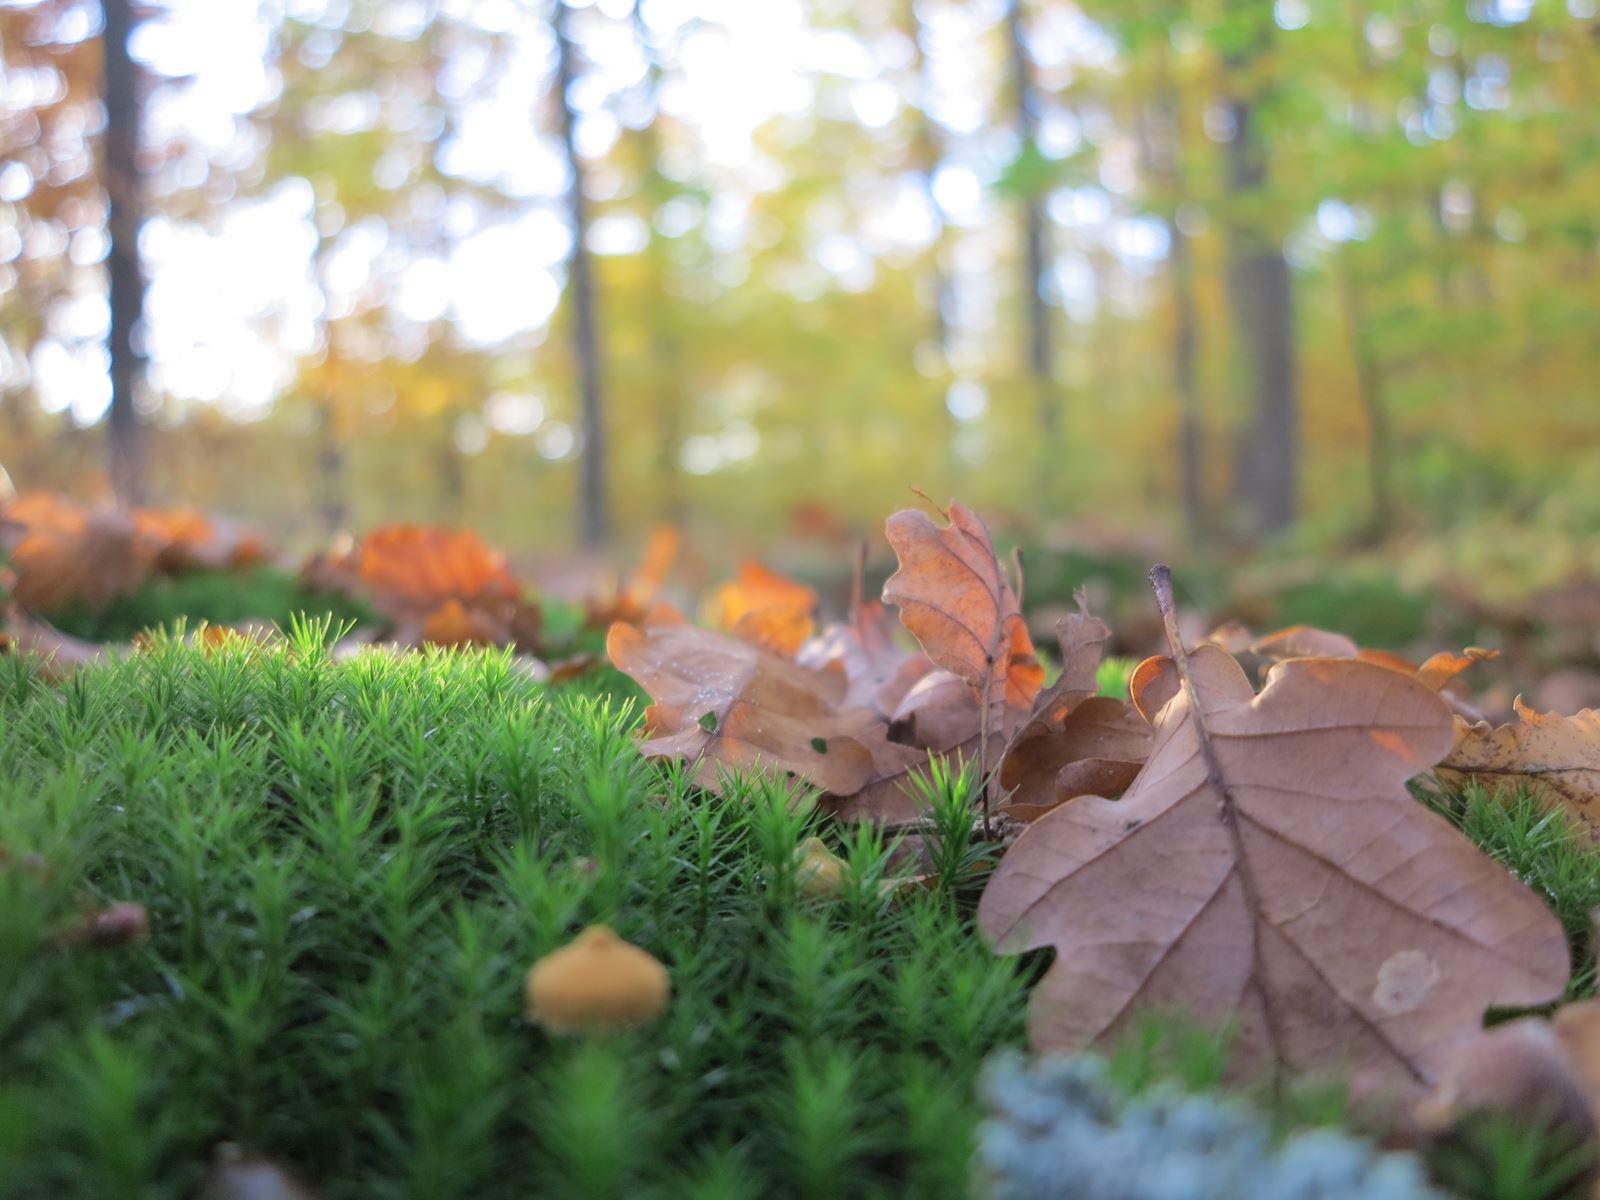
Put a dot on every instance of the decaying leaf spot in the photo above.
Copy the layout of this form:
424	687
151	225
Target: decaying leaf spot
1404	981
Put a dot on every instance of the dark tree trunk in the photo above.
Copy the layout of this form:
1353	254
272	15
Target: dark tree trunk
1369	389
1262	298
594	522
126	280
1047	403
1186	378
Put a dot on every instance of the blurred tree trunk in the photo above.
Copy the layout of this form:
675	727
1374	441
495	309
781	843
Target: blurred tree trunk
126	280
666	350
1046	401
1261	294
594	522
1370	391
1186	379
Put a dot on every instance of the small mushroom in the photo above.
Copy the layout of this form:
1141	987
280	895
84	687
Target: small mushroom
596	983
820	871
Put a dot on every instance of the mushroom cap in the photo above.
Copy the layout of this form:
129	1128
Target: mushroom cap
820	871
597	982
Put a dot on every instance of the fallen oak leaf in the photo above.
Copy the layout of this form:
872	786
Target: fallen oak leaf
780	630
1540	1076
723	704
1075	743
1269	867
955	598
758	589
59	655
630	600
455	624
410	570
1304	641
878	672
100	558
1101	743
938	712
1556	758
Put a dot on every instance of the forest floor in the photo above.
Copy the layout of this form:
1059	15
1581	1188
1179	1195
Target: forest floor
348	866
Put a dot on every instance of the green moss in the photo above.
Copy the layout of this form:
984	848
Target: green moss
348	868
217	597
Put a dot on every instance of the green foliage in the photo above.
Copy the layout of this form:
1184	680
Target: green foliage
348	867
216	597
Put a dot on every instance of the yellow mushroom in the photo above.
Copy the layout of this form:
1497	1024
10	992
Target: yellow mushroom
596	983
821	871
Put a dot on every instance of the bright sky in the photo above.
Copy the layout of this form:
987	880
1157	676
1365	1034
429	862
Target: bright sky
230	307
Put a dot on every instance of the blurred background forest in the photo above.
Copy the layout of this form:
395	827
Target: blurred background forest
1315	273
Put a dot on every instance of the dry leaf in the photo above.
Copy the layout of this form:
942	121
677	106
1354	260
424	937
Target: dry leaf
954	597
59	655
631	600
455	624
780	630
1100	743
1556	758
411	570
1302	641
758	590
878	671
1268	867
1075	743
98	559
938	712
723	704
1544	1076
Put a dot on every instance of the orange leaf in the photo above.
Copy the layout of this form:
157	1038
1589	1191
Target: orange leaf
757	590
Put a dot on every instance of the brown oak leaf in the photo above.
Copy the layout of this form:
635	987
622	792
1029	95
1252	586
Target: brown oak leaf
955	598
1556	758
1075	743
1268	867
723	704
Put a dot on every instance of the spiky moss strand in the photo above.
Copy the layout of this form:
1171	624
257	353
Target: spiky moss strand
597	983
